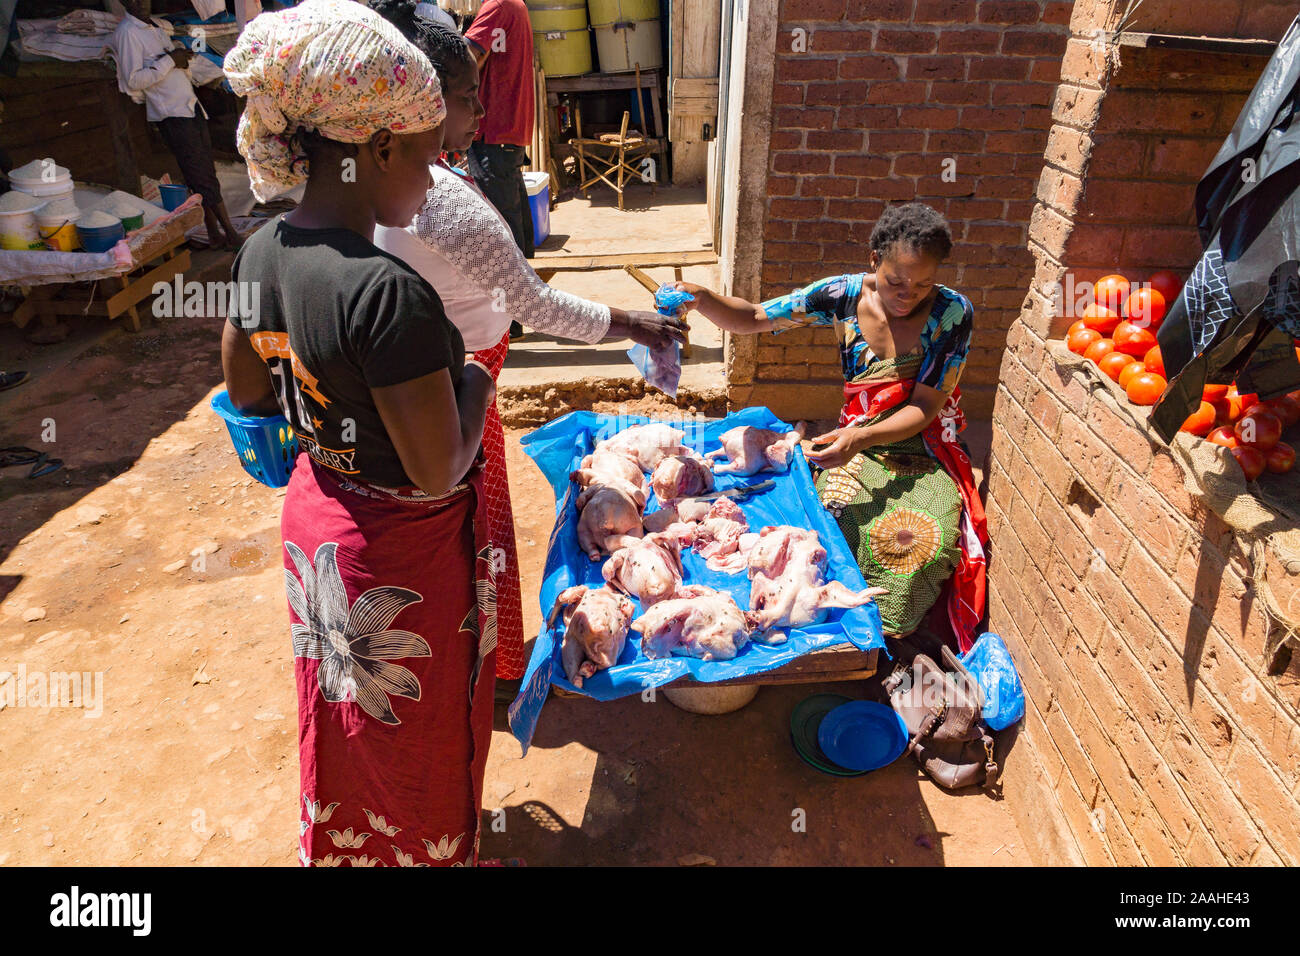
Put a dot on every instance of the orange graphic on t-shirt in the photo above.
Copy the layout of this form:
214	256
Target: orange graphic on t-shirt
269	345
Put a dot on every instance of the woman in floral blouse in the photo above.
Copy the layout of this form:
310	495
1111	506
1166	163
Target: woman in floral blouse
893	473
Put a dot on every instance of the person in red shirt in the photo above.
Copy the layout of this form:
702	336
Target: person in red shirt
501	37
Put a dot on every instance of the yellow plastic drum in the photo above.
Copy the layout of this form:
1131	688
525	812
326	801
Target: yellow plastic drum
628	45
605	12
557	15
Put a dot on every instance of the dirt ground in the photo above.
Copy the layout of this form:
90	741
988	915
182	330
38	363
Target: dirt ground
153	560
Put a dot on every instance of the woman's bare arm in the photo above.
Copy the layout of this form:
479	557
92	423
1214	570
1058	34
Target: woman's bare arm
727	312
248	380
912	419
436	427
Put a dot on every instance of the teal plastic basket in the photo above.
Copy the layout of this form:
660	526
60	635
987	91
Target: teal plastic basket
267	447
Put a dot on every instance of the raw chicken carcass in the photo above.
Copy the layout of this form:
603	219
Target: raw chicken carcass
603	467
723	538
687	511
788	587
649	569
697	622
681	476
752	450
595	631
647	445
607	510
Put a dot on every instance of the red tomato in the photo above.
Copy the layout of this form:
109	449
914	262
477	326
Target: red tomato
1076	327
1100	318
1133	340
1113	363
1167	283
1127	372
1260	428
1098	349
1247	398
1252	460
1280	458
1153	361
1201	421
1111	291
1213	392
1222	436
1285	408
1079	341
1145	388
1145	308
1227	410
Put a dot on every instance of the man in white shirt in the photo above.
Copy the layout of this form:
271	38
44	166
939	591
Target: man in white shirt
151	71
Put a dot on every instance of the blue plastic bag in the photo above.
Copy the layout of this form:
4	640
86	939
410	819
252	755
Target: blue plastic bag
557	447
990	664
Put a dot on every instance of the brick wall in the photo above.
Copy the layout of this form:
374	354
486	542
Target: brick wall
865	112
1157	732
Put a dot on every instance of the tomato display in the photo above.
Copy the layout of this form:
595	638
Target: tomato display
1259	428
1222	436
1100	318
1111	291
1145	388
1128	371
1167	283
1213	392
1133	340
1076	327
1153	362
1286	408
1280	458
1252	460
1201	421
1079	341
1115	362
1145	308
1098	349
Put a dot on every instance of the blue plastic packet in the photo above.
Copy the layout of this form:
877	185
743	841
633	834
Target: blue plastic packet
662	368
990	664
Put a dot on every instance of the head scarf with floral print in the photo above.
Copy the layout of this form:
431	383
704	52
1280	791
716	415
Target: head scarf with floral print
333	66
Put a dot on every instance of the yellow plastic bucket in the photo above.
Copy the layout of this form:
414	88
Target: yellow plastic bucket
61	236
552	15
564	52
605	12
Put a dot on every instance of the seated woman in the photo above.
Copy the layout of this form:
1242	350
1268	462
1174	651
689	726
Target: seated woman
893	473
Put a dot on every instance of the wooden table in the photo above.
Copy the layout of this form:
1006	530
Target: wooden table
606	82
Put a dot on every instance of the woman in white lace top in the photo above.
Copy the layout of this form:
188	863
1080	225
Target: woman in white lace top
460	244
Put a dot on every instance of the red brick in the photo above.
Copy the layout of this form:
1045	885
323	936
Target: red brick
979	117
1058	11
1116	159
925	117
1009	11
890	141
796	208
782	185
1031	43
894	93
776	272
934	68
1083	64
969	41
828	186
868	67
944	11
895	189
1046	71
870	166
997	68
785	139
839	41
804	119
811	10
806	68
965	93
1177	247
889	11
836	93
1181	159
836	140
775	228
905	41
1275	811
829	229
801	162
868	117
1158	111
1003	142
787	94
1022	94
1076	106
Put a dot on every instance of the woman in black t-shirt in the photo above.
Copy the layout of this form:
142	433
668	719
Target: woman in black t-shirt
386	568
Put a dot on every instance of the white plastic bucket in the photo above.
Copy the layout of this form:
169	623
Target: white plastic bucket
50	181
18	230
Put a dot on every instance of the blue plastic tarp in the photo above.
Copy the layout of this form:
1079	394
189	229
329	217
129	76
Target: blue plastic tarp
558	447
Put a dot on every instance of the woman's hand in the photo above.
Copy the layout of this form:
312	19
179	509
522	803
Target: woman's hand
843	444
656	332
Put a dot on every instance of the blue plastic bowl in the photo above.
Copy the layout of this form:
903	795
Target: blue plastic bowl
862	735
101	238
267	447
172	195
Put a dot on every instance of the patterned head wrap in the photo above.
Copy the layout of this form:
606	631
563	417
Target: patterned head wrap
332	66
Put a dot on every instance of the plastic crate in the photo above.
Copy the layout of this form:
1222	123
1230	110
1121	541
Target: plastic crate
267	447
